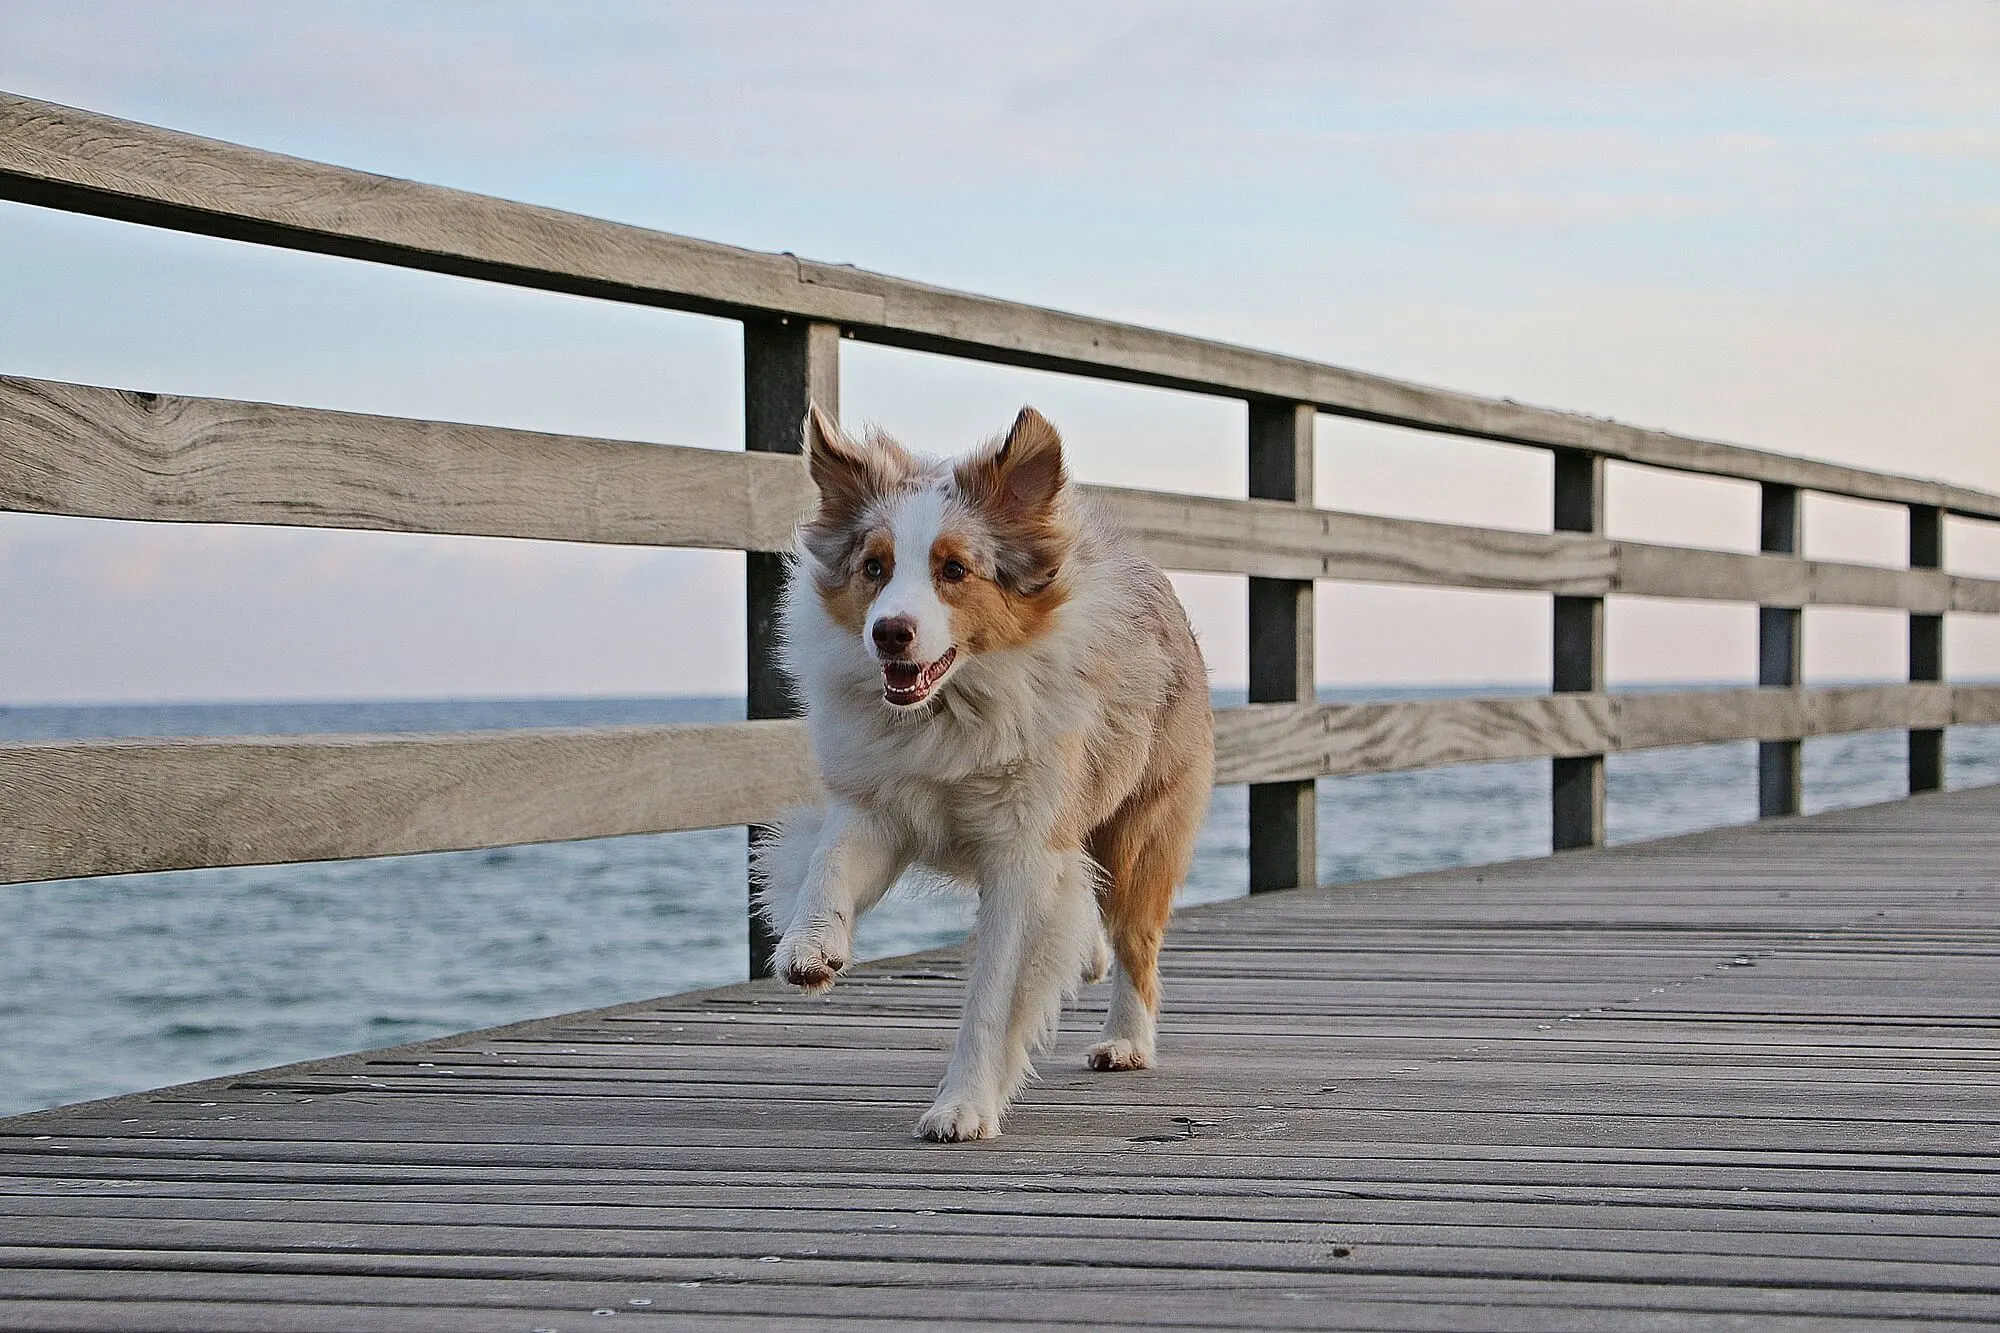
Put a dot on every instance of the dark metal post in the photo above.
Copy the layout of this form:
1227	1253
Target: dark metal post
1284	841
1577	783
1780	636
787	365
1926	647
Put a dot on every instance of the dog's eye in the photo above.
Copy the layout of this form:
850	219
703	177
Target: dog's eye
872	567
952	571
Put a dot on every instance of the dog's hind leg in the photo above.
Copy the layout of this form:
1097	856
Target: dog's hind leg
853	861
1145	850
1035	933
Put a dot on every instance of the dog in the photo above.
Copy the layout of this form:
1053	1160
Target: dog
1001	692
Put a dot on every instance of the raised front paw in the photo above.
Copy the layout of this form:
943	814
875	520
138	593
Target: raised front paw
810	959
958	1120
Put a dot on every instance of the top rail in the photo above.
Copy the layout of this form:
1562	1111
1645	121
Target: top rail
80	161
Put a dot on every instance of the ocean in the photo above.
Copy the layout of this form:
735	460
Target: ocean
117	984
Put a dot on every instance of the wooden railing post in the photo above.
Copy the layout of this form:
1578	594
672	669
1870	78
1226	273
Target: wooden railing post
1284	816
1926	647
787	365
1780	636
1577	784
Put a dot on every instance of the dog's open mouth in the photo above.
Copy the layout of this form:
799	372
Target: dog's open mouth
907	683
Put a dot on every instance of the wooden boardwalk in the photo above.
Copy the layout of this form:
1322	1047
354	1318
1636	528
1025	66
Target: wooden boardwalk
1746	1079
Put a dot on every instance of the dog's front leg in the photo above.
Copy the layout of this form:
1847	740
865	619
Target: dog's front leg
1037	927
854	861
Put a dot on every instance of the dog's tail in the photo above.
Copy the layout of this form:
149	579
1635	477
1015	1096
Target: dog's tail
779	861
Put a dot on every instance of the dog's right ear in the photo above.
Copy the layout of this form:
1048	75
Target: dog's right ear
839	466
850	472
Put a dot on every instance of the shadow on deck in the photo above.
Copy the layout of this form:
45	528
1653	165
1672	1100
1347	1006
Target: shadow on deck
1745	1079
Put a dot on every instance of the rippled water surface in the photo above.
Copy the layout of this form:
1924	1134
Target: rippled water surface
117	984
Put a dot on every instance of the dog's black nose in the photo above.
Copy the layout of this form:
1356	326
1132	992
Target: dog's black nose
894	635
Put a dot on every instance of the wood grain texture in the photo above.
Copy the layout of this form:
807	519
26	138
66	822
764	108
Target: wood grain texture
1272	539
1737	1080
114	453
1645	570
115	807
112	807
1975	705
1288	742
1648	721
59	157
110	453
1284	742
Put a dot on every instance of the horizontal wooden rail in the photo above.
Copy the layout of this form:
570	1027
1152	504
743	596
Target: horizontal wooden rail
1287	742
59	157
111	453
113	807
109	807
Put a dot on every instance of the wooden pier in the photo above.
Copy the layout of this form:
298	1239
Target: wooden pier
1744	1079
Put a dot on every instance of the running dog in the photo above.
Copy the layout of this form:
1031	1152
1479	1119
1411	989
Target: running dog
998	690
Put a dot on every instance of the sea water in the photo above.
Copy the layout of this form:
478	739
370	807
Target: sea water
117	984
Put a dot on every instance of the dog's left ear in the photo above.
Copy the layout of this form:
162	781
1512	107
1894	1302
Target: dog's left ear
1019	478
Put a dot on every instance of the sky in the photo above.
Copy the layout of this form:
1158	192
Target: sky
1774	223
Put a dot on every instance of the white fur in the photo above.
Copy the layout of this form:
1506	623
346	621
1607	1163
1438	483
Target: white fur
969	784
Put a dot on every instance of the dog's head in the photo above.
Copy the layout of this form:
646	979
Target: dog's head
931	564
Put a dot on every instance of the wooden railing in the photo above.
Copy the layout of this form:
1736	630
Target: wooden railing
108	807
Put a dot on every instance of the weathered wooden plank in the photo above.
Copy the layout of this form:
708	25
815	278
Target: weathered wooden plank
1940	1262
115	807
1266	742
110	807
690	1227
1277	742
60	157
217	1295
1692	717
1782	580
1975	705
110	453
971	1213
1272	539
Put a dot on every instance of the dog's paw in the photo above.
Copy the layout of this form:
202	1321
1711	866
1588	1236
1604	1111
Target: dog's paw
1117	1054
958	1120
809	961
